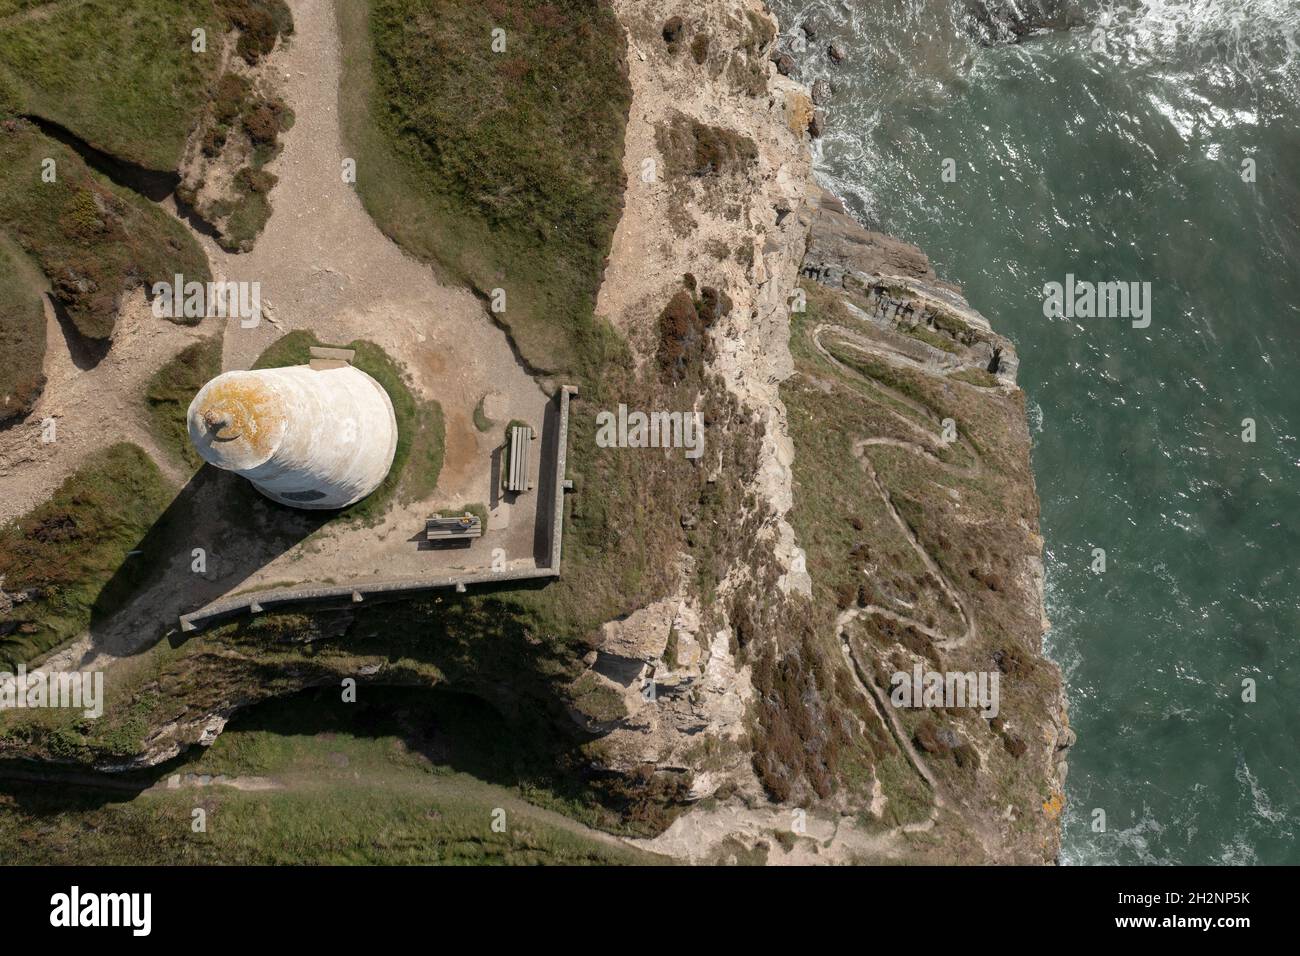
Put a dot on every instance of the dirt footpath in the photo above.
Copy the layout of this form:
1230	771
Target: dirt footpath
324	265
91	408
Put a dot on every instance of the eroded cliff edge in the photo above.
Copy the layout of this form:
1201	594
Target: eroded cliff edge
894	516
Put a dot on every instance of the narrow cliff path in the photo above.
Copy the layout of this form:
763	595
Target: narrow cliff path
862	676
860	451
698	836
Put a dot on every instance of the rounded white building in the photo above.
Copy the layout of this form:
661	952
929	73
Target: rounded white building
306	437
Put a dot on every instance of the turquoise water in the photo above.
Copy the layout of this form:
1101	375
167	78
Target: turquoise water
1125	163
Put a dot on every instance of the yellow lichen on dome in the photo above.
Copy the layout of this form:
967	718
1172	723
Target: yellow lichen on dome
242	408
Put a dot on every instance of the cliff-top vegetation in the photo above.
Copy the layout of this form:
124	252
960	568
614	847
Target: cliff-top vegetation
488	139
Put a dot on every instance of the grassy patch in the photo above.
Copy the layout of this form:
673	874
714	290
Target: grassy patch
120	74
481	421
977	376
94	240
930	338
505	169
412	780
420	428
170	392
63	553
22	334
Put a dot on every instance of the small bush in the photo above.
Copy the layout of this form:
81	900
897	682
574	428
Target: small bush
700	48
230	97
680	328
261	125
260	24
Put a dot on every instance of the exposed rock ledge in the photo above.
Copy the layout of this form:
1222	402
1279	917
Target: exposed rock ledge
702	724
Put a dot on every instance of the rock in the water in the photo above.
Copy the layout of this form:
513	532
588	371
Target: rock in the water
817	124
1008	21
837	53
809	28
673	28
821	92
785	64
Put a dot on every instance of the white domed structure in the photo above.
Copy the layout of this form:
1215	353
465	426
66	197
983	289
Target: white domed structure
306	437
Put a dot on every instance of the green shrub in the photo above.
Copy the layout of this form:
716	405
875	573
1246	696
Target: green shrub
64	553
119	74
22	337
170	392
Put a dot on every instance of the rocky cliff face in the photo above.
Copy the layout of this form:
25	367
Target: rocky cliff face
893	505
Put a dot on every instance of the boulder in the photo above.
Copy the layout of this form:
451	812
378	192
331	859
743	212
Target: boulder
817	124
1009	21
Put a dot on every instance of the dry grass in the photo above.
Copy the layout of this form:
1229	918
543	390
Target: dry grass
22	333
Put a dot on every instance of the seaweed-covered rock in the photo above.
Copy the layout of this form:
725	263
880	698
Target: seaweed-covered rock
1009	21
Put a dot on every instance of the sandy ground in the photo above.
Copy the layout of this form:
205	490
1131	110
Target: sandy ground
91	407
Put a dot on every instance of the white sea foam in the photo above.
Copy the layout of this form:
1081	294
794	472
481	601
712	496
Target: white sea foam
1251	36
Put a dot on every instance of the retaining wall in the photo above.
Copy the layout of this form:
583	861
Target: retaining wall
553	485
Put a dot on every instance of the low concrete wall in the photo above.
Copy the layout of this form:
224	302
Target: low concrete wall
553	485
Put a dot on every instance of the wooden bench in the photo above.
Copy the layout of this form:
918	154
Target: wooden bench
439	527
521	437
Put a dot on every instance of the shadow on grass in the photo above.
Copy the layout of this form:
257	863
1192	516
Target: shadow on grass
215	534
86	352
449	729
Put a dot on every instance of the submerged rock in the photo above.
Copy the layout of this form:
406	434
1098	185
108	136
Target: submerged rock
1009	21
817	124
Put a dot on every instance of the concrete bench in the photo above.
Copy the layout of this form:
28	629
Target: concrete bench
323	357
439	528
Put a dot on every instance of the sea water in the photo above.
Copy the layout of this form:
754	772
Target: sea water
1159	142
